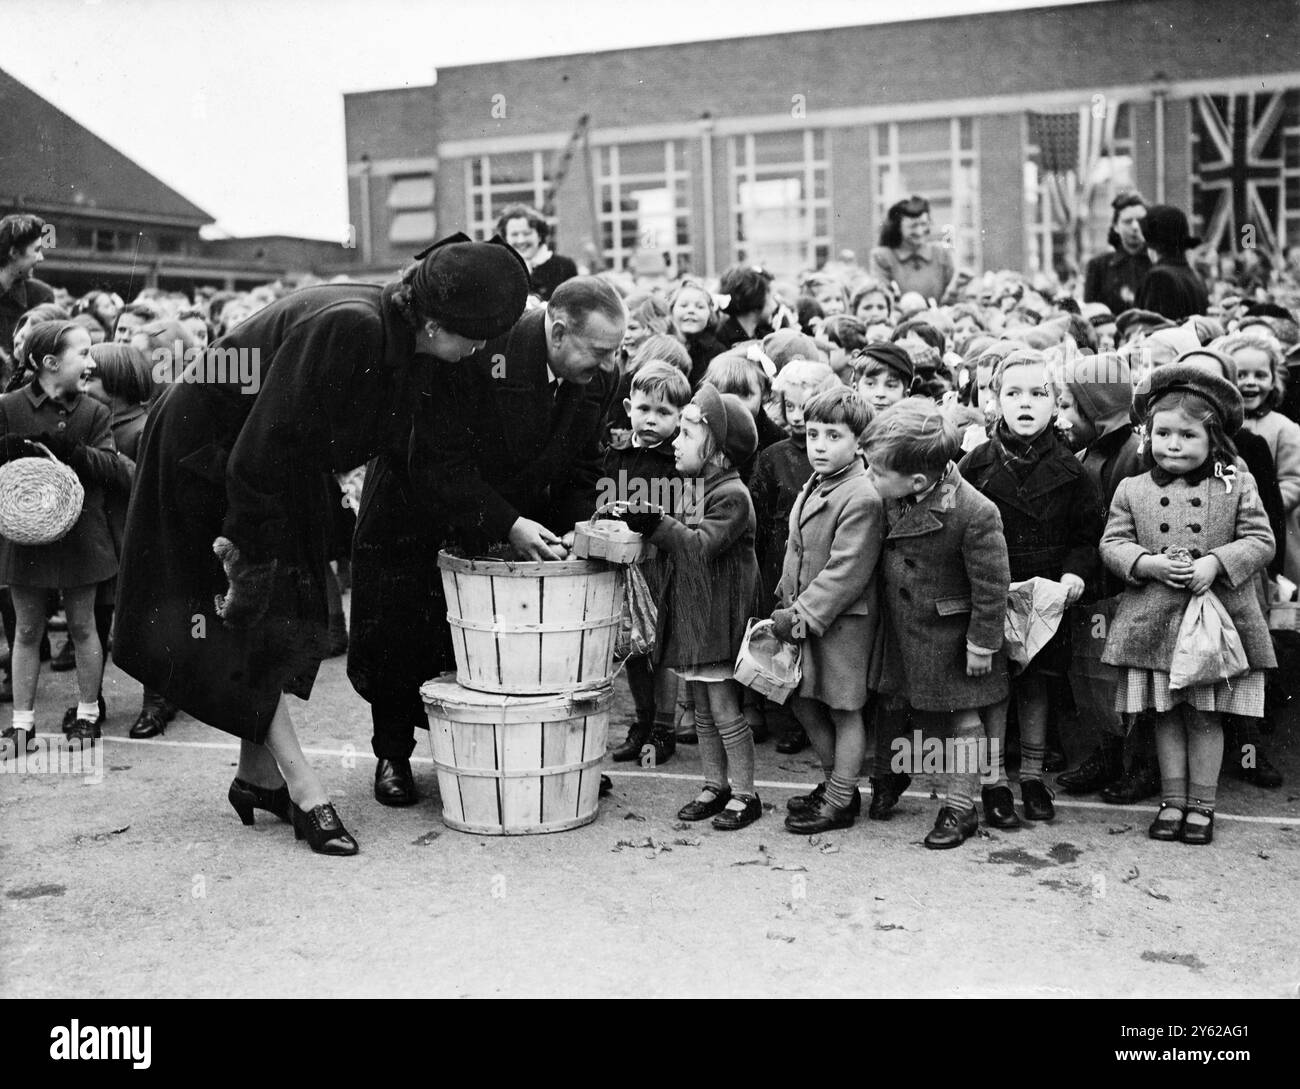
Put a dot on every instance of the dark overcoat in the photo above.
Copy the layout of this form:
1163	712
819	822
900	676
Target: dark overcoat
1206	518
945	580
86	554
1052	521
780	473
218	457
490	443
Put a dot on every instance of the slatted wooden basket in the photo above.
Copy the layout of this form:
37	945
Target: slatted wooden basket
532	628
516	765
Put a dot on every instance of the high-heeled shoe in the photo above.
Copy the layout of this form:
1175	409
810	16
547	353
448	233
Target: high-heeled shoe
323	831
245	797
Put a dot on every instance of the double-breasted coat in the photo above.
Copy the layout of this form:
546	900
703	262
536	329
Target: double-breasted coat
1206	518
836	530
248	460
945	576
490	443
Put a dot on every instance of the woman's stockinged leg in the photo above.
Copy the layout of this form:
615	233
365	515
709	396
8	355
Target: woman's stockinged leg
79	606
305	787
29	611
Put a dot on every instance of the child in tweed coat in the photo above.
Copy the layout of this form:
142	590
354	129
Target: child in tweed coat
945	574
829	603
1193	523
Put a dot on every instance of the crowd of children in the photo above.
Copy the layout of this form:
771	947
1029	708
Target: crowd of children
869	468
901	465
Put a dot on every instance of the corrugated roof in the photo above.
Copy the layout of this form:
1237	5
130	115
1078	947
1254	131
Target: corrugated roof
48	158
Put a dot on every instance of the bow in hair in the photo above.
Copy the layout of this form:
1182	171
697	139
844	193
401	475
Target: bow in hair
755	354
1226	473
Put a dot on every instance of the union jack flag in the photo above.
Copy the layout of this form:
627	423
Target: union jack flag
1239	160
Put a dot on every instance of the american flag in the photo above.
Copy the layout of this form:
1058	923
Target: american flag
1239	169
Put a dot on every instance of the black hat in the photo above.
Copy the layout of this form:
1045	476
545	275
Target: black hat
1141	317
891	356
474	289
1269	310
731	423
911	207
1166	231
1175	377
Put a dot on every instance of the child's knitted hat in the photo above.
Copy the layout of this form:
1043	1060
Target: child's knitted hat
890	355
730	422
786	345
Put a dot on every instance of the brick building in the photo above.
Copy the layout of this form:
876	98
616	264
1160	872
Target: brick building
786	149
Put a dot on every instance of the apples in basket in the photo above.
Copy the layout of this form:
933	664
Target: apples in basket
40	498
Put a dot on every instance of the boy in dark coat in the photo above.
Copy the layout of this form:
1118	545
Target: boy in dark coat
945	575
1051	518
648	467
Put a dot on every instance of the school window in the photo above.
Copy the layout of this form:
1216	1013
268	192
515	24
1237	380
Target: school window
1076	162
410	205
780	199
494	181
643	195
938	160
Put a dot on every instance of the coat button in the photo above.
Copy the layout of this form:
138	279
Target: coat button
1196	502
62	425
1164	500
1164	527
1195	527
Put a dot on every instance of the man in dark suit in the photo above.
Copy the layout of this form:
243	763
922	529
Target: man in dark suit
505	448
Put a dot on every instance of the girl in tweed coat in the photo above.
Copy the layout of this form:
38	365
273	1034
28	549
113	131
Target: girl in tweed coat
1192	523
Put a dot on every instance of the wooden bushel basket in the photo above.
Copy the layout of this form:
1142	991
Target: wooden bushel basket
533	628
512	765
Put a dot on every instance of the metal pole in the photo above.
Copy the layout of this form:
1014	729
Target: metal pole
706	177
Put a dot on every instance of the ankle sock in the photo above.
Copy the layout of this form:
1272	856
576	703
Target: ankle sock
25	720
1203	795
1174	792
1031	760
88	710
839	790
738	740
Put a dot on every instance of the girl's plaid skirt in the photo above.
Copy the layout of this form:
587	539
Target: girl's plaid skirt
1148	689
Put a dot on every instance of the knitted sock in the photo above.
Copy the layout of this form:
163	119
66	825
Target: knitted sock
713	754
26	720
963	786
1174	792
839	791
88	710
1203	795
738	740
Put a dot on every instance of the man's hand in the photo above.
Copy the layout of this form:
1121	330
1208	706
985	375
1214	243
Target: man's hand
533	541
978	665
1204	572
1073	588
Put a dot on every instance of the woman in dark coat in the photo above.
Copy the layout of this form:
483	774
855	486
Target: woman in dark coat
232	474
1115	278
1171	288
527	231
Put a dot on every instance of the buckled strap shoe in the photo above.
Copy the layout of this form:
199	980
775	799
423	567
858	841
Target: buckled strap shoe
1196	833
1165	828
738	813
703	810
394	783
952	829
999	807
